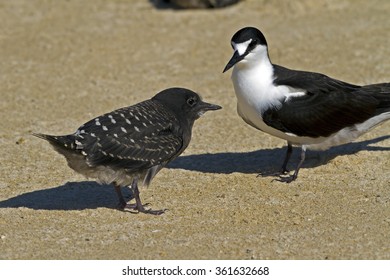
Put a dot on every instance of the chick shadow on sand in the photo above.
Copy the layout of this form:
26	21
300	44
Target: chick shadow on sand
70	196
91	195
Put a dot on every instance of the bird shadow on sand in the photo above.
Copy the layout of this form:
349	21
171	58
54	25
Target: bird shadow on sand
91	195
267	162
70	196
166	4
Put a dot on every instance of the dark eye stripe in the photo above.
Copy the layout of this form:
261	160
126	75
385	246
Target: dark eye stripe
252	45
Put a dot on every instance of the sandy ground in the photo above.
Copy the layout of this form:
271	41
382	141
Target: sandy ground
65	62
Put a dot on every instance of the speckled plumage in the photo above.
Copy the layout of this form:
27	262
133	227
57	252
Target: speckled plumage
134	142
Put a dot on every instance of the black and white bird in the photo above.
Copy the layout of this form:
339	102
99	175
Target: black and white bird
307	109
133	143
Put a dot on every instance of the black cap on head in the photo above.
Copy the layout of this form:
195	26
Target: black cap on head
246	34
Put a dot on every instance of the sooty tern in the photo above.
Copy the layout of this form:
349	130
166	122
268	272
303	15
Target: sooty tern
307	109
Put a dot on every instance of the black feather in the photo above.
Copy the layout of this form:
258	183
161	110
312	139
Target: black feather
334	104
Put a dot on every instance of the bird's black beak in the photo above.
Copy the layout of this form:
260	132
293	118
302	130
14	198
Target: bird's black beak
204	107
235	58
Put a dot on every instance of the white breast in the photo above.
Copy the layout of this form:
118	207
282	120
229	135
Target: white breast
255	91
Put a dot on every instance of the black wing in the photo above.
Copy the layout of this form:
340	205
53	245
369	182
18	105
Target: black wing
139	136
328	106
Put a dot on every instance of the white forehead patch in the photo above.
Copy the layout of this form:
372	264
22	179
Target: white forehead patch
241	47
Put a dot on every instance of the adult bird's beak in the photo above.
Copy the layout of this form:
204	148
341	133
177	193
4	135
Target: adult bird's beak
204	107
235	58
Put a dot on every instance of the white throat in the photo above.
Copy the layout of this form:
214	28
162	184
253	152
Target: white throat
253	84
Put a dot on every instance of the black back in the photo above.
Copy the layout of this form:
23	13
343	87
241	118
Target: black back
328	106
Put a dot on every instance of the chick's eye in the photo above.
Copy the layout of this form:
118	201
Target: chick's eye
191	101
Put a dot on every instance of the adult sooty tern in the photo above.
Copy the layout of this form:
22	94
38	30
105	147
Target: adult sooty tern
307	109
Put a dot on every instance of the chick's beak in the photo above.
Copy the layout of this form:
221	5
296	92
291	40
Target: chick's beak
204	107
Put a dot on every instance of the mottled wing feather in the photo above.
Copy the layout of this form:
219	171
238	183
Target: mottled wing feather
139	136
328	106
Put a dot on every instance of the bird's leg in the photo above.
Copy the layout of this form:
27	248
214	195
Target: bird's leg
138	204
122	205
295	175
283	170
122	201
287	158
303	155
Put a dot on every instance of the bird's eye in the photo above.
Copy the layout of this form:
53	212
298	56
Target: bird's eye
252	44
191	101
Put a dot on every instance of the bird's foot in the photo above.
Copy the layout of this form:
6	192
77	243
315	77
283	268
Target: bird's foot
286	179
129	206
273	173
134	208
153	212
